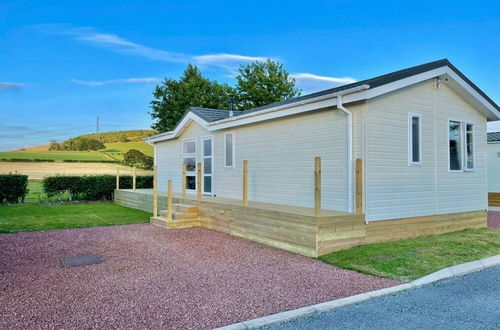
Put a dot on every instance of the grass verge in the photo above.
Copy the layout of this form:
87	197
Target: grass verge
411	259
18	218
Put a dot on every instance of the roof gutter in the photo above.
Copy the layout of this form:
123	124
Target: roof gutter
291	105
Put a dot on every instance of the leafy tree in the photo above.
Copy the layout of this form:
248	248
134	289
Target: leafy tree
54	146
173	97
262	83
136	158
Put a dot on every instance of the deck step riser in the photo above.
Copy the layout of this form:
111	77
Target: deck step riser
179	215
183	208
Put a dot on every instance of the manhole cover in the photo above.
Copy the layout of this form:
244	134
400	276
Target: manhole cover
86	259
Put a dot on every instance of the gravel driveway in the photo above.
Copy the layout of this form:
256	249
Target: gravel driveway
494	219
153	278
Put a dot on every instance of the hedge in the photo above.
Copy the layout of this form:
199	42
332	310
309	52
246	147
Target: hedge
22	160
13	187
96	187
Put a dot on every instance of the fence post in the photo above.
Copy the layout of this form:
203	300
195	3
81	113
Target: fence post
117	178
317	186
169	200
133	180
155	193
245	183
183	183
198	184
359	185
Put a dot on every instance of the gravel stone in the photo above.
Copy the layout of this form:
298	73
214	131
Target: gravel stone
494	219
153	278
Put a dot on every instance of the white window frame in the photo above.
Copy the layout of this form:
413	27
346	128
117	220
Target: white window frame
233	151
191	155
203	139
466	167
412	115
463	140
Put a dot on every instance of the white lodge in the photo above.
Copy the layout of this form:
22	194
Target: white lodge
419	133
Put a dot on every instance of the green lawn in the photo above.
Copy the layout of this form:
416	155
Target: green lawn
18	218
413	258
37	195
53	155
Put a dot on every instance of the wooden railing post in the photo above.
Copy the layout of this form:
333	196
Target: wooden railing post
317	186
183	181
169	200
134	180
359	185
155	192
198	184
117	178
245	183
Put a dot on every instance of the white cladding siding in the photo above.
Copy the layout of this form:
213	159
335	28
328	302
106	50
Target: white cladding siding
396	190
494	167
281	159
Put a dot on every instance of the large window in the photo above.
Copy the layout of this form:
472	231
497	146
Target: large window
229	150
414	139
189	159
461	146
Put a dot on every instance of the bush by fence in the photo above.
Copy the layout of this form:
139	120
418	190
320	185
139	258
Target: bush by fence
13	187
96	187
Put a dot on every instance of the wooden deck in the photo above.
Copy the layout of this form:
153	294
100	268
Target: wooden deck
292	228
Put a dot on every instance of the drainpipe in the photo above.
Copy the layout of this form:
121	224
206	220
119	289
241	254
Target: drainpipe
350	168
349	153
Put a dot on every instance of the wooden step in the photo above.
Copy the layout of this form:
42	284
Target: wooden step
185	208
179	215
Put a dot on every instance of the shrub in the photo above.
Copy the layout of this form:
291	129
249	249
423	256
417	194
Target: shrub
136	158
13	187
96	187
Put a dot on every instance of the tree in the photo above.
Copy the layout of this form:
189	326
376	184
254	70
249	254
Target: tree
172	98
262	83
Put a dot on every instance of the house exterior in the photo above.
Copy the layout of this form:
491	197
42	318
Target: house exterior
419	135
494	168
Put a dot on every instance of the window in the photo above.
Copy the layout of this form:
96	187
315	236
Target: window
414	139
207	164
189	159
461	146
229	150
469	143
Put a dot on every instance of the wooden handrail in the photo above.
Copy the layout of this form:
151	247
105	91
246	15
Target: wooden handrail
134	180
245	183
155	192
198	184
317	186
169	200
183	181
359	185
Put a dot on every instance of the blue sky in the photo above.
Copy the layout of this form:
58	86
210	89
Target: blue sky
62	63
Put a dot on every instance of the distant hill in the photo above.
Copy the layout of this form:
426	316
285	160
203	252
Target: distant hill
116	144
120	136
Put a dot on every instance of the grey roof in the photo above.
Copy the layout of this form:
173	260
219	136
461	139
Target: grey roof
211	115
494	137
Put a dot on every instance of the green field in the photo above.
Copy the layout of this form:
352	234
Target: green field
18	218
411	259
117	149
54	155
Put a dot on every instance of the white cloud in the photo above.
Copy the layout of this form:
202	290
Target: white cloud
310	82
228	61
121	45
10	86
116	81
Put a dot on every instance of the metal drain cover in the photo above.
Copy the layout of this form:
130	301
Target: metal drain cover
82	260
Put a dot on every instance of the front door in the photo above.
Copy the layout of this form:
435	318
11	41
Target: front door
207	157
